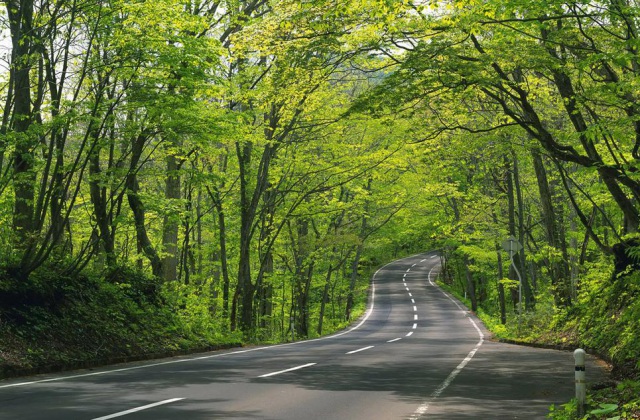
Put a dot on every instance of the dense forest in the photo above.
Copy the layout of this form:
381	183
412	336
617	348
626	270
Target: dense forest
188	174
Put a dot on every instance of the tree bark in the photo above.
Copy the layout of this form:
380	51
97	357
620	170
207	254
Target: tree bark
20	13
471	285
559	270
137	207
171	222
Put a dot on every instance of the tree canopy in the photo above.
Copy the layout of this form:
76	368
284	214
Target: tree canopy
248	162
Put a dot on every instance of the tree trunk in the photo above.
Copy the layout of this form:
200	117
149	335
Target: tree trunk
98	197
501	300
171	220
24	178
528	297
325	298
137	207
354	278
559	270
471	285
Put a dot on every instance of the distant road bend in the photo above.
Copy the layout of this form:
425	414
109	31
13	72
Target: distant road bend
417	353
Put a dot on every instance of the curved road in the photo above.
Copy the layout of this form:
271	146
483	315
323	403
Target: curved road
416	354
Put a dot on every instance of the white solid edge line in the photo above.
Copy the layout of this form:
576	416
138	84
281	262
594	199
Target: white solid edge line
420	411
170	362
394	340
359	350
286	370
134	410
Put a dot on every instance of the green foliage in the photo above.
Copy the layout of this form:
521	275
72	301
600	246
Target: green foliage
84	319
609	403
610	313
276	152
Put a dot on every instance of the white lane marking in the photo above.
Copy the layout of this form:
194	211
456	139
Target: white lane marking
414	265
404	275
362	349
286	370
424	407
394	340
409	334
429	277
423	260
407	288
433	256
410	295
134	410
415	317
413	300
414	326
415	309
408	270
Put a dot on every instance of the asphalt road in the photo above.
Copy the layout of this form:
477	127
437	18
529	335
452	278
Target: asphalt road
416	354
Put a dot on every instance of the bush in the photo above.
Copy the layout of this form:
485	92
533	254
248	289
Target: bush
54	321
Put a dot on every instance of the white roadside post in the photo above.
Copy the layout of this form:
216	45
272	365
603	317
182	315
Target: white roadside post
581	385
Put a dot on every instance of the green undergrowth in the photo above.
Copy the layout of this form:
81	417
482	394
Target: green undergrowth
51	322
604	320
611	403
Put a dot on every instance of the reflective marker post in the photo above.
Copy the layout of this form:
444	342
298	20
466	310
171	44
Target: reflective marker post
581	384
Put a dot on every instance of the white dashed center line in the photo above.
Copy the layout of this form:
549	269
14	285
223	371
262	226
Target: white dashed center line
362	349
286	370
134	410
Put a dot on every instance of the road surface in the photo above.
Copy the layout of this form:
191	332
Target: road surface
416	354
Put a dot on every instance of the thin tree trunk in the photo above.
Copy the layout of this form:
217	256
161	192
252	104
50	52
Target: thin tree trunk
529	299
354	276
171	220
325	298
471	285
559	270
501	300
137	207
